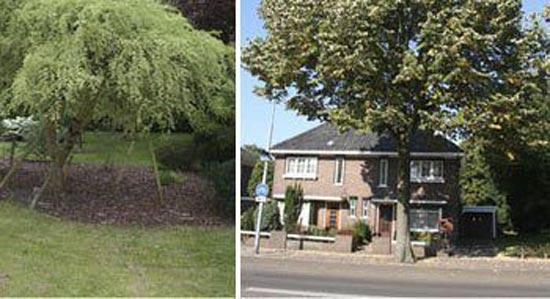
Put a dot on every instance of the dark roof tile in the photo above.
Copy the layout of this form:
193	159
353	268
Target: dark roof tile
327	138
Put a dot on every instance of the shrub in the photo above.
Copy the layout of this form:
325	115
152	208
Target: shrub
270	218
222	176
294	196
178	155
169	177
361	233
247	219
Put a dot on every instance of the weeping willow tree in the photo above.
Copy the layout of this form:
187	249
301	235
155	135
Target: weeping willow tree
137	63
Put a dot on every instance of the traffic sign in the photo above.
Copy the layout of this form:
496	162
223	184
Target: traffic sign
262	190
261	199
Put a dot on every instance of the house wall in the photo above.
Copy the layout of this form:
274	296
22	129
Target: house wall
361	179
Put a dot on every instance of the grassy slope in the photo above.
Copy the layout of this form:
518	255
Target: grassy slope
47	257
100	147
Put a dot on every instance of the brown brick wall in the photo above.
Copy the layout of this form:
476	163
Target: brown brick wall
361	180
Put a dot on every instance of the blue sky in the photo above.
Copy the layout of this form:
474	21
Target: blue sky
255	111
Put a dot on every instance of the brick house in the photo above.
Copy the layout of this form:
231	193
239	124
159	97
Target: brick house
348	177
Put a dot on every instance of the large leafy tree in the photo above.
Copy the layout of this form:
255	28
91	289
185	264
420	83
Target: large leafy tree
398	66
137	63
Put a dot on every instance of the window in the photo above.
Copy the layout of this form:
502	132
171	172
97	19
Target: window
332	219
427	171
352	206
301	167
383	182
339	171
425	220
365	212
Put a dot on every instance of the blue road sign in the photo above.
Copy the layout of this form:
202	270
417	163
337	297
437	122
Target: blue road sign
262	190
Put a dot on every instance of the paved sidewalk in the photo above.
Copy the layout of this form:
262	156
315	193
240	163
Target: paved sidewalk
360	258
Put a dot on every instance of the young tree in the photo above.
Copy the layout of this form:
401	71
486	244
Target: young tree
399	66
136	63
294	197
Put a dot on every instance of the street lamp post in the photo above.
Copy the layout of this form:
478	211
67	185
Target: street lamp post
264	181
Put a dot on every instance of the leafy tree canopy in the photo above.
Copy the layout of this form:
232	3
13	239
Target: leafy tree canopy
137	63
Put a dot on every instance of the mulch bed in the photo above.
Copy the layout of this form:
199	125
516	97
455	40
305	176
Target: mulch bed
119	195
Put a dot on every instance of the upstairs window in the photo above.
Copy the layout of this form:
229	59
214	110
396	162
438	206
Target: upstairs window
352	206
301	167
427	171
383	181
339	171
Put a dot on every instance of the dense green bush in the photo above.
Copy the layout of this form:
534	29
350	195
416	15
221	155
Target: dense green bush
205	148
222	176
361	232
247	219
270	218
178	155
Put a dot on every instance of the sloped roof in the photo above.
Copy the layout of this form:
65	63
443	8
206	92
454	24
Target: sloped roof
327	138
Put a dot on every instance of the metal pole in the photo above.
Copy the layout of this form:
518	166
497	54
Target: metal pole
264	181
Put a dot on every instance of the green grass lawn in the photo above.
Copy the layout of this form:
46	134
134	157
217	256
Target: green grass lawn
101	147
43	256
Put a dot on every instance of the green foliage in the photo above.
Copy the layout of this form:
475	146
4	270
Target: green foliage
169	177
222	176
361	232
214	146
270	218
178	155
256	177
525	245
294	197
136	63
478	182
248	220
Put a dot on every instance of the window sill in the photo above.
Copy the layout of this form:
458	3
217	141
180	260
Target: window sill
338	184
424	230
436	181
382	186
298	176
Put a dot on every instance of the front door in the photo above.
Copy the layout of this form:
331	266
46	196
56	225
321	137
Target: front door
333	210
385	220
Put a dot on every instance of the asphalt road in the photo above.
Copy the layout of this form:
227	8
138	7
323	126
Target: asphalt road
288	277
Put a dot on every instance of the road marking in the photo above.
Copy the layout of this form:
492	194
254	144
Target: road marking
296	293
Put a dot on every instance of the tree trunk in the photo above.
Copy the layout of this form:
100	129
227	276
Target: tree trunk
403	251
59	151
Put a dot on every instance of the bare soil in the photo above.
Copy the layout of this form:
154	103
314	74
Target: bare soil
120	195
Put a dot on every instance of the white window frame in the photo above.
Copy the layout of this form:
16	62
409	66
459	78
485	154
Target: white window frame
353	206
416	175
383	173
335	174
365	211
428	229
294	174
